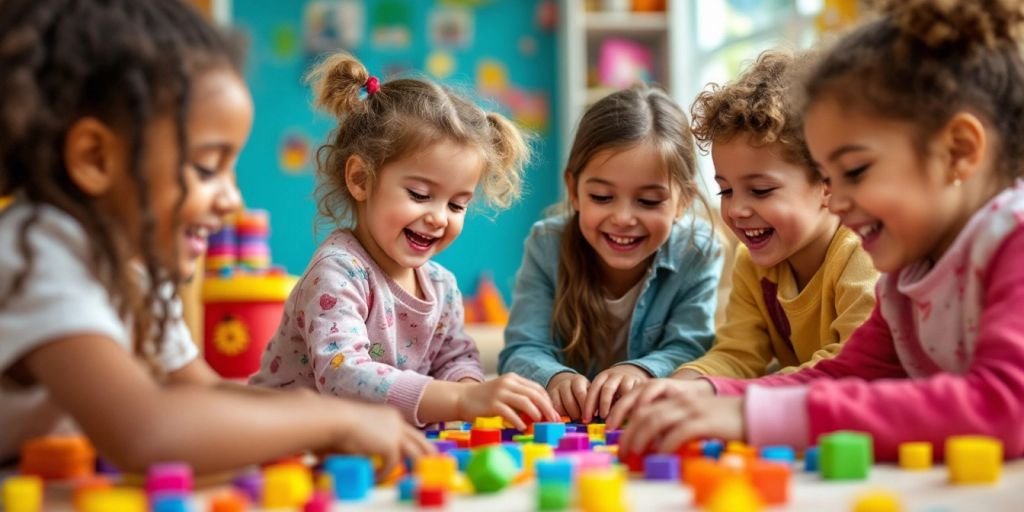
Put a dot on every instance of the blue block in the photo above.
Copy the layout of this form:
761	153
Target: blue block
548	433
713	448
811	459
432	434
170	502
778	453
461	456
516	451
554	470
407	488
352	474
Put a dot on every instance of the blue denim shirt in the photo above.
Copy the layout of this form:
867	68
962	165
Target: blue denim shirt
672	322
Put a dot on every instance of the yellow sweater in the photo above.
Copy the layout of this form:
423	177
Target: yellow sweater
765	304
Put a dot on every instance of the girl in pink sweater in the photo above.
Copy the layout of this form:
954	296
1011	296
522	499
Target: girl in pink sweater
373	317
915	120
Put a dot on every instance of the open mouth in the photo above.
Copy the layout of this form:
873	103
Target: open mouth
869	233
419	242
623	243
196	238
756	238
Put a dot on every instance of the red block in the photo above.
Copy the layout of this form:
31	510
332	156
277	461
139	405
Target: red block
484	437
430	497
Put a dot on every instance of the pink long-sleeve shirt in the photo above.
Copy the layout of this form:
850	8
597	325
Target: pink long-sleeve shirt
942	353
350	330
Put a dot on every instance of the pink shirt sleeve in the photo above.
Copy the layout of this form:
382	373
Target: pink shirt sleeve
985	400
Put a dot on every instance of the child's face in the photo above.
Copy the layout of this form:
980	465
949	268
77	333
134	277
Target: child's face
899	204
627	205
219	118
418	205
770	204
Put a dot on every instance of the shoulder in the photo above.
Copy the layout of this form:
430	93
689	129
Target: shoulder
846	258
341	253
550	228
51	234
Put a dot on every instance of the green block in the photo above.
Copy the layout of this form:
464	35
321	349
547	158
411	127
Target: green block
523	438
845	455
491	469
553	496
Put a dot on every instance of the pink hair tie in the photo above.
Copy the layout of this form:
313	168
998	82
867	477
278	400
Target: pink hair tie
372	85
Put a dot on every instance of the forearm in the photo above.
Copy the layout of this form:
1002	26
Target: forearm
440	402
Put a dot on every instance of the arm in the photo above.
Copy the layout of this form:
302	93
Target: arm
458	360
530	349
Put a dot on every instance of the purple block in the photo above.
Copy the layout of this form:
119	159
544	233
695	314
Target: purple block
611	437
661	467
251	485
171	477
574	443
507	435
445	445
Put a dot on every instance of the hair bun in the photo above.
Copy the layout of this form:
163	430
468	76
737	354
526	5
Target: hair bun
939	23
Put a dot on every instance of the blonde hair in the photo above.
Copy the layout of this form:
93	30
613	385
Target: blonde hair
639	115
404	116
758	104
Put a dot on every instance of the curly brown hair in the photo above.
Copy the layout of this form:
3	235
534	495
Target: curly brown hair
123	62
923	61
758	104
403	116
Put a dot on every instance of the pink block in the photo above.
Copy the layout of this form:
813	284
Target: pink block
169	477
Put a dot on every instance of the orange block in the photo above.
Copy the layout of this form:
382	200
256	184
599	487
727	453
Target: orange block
705	479
58	457
771	480
229	501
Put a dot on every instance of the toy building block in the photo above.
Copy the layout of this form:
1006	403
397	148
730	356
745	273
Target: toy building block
877	501
554	496
533	452
23	494
495	422
548	433
712	448
554	471
491	469
734	494
845	455
916	455
574	443
431	497
352	475
661	467
771	480
169	478
250	484
461	456
445	445
601	490
407	489
484	437
596	431
516	452
592	460
286	486
611	437
633	461
83	486
974	459
735	461
705	476
690	449
436	470
118	499
58	457
229	501
320	502
811	459
461	484
523	438
461	437
778	453
169	502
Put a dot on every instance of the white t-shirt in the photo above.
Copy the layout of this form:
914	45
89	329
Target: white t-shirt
621	309
59	298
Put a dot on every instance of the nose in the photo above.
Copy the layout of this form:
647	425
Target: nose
437	218
229	198
623	214
737	209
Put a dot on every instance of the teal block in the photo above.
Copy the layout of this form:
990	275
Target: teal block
845	455
491	469
553	496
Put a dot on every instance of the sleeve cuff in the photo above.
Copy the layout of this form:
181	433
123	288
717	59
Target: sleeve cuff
470	371
776	415
406	392
727	386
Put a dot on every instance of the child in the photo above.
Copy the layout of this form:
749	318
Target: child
914	119
622	287
801	283
373	317
120	125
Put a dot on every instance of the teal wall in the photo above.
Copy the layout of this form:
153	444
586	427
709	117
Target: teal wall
276	64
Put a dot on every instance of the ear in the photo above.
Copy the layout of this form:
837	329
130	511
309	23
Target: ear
826	193
93	155
570	186
356	178
966	142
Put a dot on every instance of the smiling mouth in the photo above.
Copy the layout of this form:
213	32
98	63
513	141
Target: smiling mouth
757	237
623	243
418	241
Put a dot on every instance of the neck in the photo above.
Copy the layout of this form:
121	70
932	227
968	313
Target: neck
805	262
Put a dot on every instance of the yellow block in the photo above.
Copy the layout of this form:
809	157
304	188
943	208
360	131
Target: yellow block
114	500
286	486
532	452
878	501
23	494
596	431
602	490
436	471
734	495
917	455
974	459
495	422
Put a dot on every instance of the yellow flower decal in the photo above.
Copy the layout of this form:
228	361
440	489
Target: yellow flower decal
337	360
230	336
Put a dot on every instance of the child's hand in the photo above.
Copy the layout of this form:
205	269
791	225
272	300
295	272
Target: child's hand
568	392
681	418
609	385
506	396
380	430
652	390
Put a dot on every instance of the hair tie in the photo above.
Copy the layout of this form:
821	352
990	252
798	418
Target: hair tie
371	86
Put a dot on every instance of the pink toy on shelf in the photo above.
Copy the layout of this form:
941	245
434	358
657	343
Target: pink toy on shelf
624	62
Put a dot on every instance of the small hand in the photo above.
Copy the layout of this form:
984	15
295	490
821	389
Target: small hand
568	392
652	390
380	430
610	385
682	418
506	396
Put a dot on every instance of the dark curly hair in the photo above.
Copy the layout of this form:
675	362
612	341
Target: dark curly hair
123	62
923	61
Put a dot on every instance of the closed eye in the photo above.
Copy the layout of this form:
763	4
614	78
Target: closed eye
456	208
416	196
600	199
855	174
725	192
205	173
650	203
762	192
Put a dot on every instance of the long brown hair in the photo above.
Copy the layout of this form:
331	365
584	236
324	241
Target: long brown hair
639	114
124	62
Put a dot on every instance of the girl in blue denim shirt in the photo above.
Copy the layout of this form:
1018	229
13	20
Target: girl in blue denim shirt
621	286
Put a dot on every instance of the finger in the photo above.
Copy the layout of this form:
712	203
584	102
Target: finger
515	403
556	402
539	399
676	435
580	388
651	392
611	388
420	443
510	415
621	410
629	384
647	425
388	458
569	403
590	403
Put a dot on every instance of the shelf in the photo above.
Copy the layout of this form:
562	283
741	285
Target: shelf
626	22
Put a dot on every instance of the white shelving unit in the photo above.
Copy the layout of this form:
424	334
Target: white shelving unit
581	32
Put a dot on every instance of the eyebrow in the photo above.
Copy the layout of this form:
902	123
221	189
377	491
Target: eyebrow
431	183
842	150
600	181
746	177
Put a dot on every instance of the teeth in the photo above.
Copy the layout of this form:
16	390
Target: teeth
867	230
622	240
755	232
202	231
